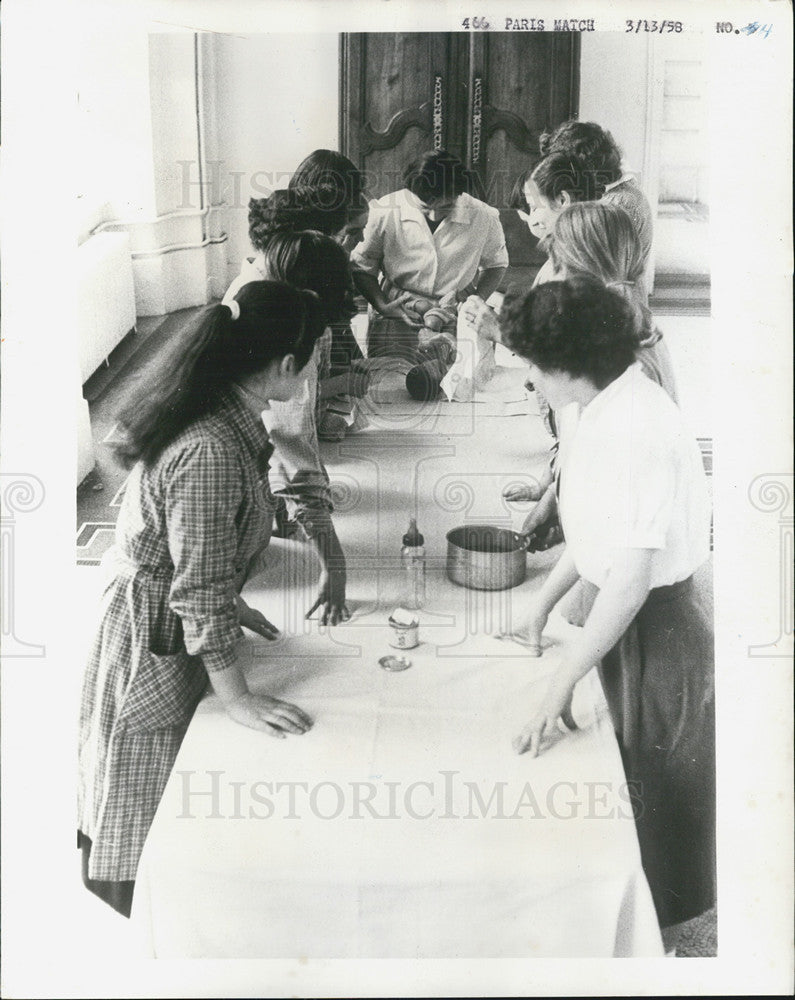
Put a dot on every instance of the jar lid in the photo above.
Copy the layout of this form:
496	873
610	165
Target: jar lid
394	663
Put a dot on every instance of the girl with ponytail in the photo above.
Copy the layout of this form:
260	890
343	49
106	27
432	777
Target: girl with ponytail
600	240
197	511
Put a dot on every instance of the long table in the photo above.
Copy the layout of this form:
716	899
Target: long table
402	825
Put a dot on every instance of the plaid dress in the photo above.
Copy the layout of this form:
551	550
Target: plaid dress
189	527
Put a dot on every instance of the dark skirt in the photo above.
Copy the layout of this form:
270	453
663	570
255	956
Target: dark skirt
659	684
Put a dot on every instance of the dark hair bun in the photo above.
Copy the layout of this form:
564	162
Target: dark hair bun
295	210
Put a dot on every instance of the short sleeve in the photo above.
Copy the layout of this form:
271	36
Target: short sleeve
646	491
494	253
203	492
368	255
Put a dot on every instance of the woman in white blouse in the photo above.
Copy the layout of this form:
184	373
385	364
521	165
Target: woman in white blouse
635	513
428	240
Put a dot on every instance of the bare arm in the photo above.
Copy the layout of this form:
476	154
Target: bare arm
619	600
489	281
367	285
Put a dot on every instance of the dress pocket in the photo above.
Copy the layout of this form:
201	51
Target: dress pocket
163	692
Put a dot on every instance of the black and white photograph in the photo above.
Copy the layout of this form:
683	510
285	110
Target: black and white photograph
397	499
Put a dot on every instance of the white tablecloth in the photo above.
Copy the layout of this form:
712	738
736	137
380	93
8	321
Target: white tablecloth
402	825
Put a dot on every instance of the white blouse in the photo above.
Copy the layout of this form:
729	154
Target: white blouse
632	476
398	242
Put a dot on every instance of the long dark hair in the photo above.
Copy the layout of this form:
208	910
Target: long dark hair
340	180
315	262
275	320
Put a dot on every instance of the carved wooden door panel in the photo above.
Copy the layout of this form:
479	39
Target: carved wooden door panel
484	96
519	86
394	89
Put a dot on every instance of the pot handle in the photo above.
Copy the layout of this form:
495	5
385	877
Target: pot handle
527	541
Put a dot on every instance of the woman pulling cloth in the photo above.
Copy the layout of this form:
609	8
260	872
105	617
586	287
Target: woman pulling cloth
197	512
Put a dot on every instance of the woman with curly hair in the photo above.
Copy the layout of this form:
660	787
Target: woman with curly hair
197	511
596	150
636	515
322	206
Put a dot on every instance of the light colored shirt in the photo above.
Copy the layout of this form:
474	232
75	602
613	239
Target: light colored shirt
632	477
399	244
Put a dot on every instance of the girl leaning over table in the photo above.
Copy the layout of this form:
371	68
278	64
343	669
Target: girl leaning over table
432	244
635	513
196	514
319	209
298	476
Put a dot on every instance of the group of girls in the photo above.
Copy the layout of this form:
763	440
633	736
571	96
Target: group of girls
628	481
228	426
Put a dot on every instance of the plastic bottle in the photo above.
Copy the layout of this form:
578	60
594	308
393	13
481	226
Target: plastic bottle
412	556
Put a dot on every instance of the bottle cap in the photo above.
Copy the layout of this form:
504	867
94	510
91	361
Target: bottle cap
412	537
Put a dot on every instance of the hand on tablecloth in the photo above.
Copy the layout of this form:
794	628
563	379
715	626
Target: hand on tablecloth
520	494
254	620
277	718
331	598
544	724
530	628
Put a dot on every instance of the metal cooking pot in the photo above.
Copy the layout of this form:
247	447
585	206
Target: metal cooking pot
484	557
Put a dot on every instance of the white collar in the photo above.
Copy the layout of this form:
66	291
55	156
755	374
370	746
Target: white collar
409	208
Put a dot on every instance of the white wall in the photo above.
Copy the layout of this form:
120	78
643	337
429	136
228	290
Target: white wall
613	89
276	99
172	86
113	145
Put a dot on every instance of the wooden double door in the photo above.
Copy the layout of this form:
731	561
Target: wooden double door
485	96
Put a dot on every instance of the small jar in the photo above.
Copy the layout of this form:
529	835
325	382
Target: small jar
403	636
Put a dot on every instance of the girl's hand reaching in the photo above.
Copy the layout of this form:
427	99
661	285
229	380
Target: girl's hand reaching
544	723
530	628
331	598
